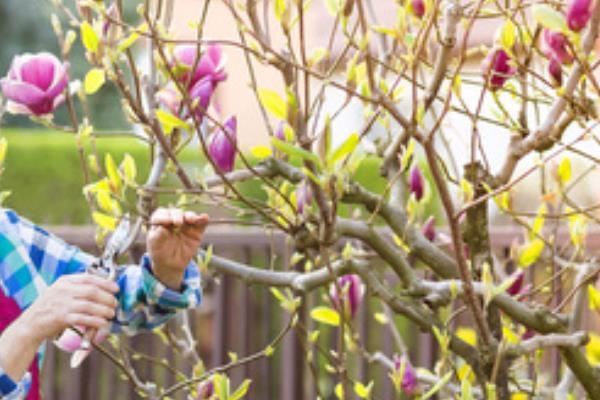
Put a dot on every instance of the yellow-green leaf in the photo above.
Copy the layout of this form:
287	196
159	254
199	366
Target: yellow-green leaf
345	148
129	169
594	298
362	391
531	253
280	7
113	173
170	121
438	386
488	283
3	148
94	80
564	171
318	54
106	203
277	294
325	315
273	103
467	189
104	221
125	44
407	154
538	222
549	18
456	85
339	391
261	152
294	151
467	334
507	35
333	6
89	37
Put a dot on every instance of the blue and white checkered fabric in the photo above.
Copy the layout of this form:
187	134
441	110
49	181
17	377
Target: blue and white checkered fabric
31	259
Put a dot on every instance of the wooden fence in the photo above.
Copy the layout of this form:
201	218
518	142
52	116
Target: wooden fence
243	319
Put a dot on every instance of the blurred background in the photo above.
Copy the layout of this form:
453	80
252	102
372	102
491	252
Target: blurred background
44	175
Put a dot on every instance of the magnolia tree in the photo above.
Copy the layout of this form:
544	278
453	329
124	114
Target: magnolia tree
410	78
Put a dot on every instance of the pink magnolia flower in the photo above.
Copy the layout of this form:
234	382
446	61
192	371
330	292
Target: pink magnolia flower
303	197
70	341
210	65
428	229
418	7
351	296
556	45
200	95
497	64
199	99
407	383
222	148
206	390
579	13
170	99
35	84
517	285
555	72
416	183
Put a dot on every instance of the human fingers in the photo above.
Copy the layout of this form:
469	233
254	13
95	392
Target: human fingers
161	216
93	280
177	217
196	219
93	309
95	294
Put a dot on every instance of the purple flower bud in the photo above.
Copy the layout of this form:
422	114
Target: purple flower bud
206	389
555	72
416	183
497	64
200	95
303	197
579	13
211	64
529	333
556	45
35	84
222	148
408	381
418	8
280	132
428	229
517	285
351	296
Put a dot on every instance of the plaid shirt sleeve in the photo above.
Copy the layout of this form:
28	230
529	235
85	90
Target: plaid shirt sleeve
10	390
31	258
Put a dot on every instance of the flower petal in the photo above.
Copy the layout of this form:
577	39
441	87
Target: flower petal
21	92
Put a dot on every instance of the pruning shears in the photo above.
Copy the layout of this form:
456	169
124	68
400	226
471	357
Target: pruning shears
106	266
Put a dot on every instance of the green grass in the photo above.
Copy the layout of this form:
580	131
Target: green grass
44	174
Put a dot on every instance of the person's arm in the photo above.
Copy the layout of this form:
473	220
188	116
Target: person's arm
74	300
166	280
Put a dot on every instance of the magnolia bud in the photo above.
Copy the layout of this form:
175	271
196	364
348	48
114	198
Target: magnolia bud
428	229
416	183
498	65
222	148
579	13
351	296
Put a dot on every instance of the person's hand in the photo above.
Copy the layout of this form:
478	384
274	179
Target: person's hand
73	300
173	241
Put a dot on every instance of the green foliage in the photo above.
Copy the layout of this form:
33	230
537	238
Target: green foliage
43	171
